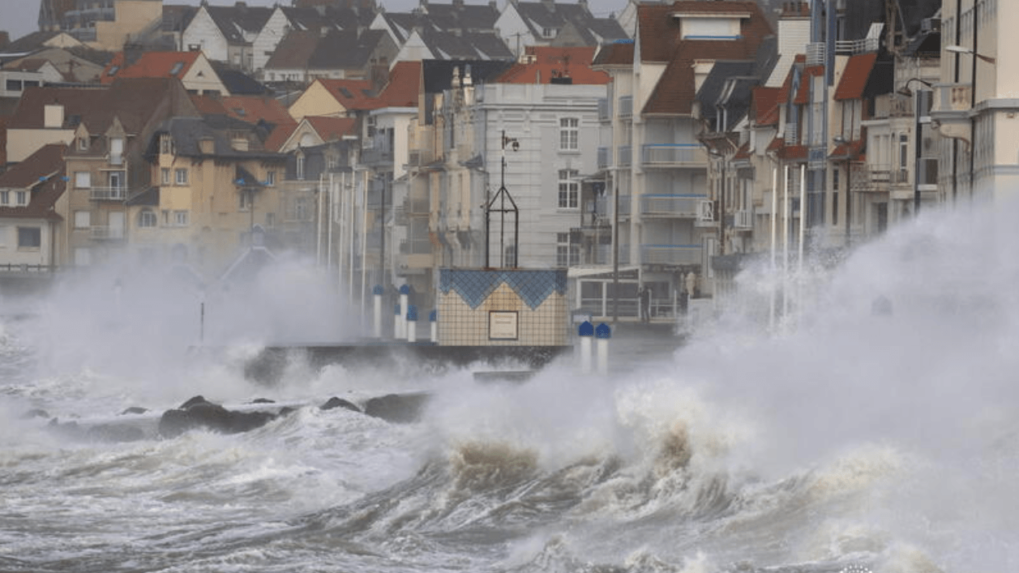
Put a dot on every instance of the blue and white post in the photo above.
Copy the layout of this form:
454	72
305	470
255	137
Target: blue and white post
433	319
377	311
397	321
586	332
412	323
404	296
603	333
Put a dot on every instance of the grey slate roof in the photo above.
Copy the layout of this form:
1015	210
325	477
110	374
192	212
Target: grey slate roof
188	132
237	82
462	16
231	20
345	49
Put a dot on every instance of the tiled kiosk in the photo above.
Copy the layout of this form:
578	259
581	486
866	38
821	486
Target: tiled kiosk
502	307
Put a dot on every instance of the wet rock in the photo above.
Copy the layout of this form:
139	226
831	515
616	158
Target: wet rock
134	410
35	413
335	402
200	413
398	408
263	401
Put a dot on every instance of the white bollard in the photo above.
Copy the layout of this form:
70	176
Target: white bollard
603	334
433	319
404	296
585	331
412	323
377	314
397	321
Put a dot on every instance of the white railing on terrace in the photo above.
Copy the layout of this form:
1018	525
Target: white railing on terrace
107	233
861	46
672	154
670	254
108	193
671	205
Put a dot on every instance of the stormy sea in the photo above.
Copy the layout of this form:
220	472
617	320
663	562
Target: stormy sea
868	425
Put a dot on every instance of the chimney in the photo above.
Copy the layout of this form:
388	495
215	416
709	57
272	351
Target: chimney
207	145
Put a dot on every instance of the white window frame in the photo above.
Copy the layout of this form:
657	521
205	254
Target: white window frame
569	134
5	197
82	179
21	198
82	219
148	219
181	218
165	176
180	176
569	189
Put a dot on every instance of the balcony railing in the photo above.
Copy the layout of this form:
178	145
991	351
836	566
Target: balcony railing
377	154
952	98
670	254
674	155
743	219
107	233
625	107
671	206
604	110
871	178
624	157
108	193
603	157
861	46
815	54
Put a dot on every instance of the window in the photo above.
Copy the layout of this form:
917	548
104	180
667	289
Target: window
82	144
569	134
903	158
245	199
835	208
5	197
165	144
164	176
22	197
14	85
567	253
835	179
147	219
82	219
29	237
181	176
3	237
82	180
568	189
181	218
270	178
117	150
116	179
300	167
510	259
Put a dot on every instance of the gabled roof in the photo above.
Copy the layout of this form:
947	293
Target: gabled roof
42	172
659	33
404	85
294	50
618	53
249	109
803	94
240	19
675	92
352	94
176	17
332	128
345	50
403	24
188	132
446	45
438	74
549	14
764	105
550	63
152	65
462	16
236	81
855	76
77	103
279	135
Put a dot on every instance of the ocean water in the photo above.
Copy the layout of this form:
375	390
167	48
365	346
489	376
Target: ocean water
839	439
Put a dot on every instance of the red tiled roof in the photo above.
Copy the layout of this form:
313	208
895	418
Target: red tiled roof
793	152
280	134
252	109
776	144
855	76
208	105
743	152
332	128
765	105
46	163
803	94
848	150
157	65
352	94
404	85
552	62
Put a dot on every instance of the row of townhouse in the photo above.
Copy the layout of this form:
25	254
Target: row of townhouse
327	39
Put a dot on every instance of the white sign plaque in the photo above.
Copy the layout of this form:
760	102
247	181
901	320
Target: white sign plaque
502	325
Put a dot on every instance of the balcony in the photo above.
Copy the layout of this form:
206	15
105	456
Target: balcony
816	54
868	178
108	193
603	158
670	254
624	155
378	154
671	206
604	110
626	107
107	233
674	155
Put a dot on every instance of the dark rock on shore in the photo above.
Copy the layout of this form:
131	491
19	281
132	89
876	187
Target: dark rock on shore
200	413
398	408
335	402
134	410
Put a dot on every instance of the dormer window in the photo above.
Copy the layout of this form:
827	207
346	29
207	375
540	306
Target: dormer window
177	67
117	150
82	144
165	145
549	32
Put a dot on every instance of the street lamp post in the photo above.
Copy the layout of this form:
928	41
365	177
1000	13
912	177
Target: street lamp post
917	126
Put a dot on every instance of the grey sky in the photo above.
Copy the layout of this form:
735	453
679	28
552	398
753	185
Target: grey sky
20	17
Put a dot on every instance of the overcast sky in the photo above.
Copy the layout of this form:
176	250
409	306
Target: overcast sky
21	17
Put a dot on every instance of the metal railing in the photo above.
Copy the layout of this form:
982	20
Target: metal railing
816	54
108	193
604	109
670	254
861	46
674	154
603	157
671	205
624	155
625	107
105	233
